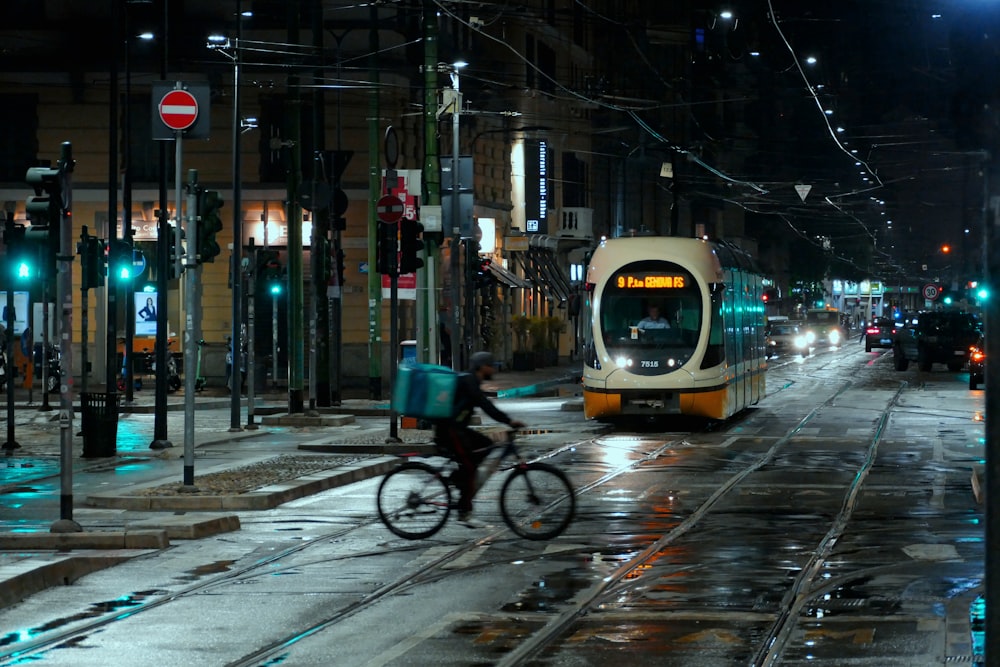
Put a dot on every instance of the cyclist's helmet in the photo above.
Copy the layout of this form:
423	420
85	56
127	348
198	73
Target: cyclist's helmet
480	359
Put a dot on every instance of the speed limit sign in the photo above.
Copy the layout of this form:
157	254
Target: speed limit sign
931	292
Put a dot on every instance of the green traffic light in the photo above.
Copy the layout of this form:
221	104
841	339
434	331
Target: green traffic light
276	289
23	270
947	300
983	294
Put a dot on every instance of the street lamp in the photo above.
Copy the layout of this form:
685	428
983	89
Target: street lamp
456	229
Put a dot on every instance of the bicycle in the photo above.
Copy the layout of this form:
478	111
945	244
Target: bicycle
537	501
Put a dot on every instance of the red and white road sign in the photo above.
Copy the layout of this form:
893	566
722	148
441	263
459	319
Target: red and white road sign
931	292
178	109
389	209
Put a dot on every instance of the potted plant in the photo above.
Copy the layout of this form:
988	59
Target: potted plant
555	325
539	328
524	359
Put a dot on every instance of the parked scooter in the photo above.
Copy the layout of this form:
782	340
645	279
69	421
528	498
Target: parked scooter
173	376
54	377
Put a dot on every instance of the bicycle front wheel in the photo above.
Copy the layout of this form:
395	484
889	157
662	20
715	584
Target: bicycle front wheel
414	500
537	501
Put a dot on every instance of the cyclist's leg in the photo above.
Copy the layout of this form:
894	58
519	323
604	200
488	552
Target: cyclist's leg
470	448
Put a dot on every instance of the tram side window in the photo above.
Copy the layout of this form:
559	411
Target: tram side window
715	352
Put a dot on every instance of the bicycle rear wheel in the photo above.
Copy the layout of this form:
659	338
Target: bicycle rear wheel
537	501
414	500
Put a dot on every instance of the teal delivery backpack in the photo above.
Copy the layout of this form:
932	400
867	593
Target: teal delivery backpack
424	391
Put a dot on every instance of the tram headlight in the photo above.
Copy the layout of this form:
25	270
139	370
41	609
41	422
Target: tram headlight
623	362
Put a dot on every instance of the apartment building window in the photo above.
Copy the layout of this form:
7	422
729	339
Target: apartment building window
18	136
574	186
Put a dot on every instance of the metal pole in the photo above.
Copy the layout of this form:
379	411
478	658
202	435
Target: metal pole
251	336
11	444
64	297
160	438
46	340
236	268
191	325
85	249
457	339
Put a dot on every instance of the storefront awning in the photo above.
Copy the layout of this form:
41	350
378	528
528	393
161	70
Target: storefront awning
540	265
506	277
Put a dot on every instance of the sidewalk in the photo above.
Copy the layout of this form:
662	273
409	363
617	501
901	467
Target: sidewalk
122	516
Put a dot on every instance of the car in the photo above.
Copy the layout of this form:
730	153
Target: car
879	333
930	337
823	325
977	363
785	337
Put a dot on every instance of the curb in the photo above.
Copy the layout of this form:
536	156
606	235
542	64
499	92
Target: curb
264	498
21	580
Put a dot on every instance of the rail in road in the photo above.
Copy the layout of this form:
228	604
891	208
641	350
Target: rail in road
741	543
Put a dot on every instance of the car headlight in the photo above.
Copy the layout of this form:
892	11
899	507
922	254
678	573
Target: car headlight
834	337
810	338
800	342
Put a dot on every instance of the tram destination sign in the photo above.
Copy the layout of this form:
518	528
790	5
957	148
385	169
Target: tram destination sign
651	281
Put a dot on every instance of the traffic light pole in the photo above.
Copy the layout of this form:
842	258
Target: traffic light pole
11	444
64	297
192	326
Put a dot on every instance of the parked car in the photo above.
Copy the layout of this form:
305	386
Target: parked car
930	337
879	333
977	363
785	337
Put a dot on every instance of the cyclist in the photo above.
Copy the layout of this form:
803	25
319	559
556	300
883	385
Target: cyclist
467	446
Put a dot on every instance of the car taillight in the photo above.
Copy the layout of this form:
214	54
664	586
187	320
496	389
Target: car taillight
976	354
872	330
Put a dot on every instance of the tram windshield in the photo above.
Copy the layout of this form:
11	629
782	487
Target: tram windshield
650	316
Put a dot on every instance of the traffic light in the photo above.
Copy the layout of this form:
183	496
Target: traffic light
174	265
209	224
92	261
386	252
45	208
119	260
410	245
269	270
17	251
484	276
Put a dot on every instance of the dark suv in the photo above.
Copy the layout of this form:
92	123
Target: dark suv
935	337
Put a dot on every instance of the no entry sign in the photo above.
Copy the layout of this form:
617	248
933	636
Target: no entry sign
178	109
389	209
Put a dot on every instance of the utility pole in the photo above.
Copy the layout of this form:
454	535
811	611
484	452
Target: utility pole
374	192
428	323
296	321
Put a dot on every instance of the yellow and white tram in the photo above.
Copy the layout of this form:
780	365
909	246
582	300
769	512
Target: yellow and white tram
707	359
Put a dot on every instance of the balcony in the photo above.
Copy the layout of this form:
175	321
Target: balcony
576	223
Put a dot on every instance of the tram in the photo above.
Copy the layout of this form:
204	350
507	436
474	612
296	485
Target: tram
703	355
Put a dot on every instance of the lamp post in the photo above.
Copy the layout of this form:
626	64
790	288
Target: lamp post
456	228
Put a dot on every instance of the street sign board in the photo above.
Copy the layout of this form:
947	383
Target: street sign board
931	291
178	109
389	209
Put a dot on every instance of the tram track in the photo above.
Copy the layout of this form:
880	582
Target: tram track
556	627
796	597
428	571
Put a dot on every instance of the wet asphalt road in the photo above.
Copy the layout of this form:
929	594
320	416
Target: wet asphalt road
833	524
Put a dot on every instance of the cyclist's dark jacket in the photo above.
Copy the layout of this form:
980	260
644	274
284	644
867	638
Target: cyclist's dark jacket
468	396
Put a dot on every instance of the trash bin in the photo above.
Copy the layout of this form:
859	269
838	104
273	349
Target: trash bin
100	424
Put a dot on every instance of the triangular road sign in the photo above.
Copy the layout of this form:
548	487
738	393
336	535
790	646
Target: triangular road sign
803	190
